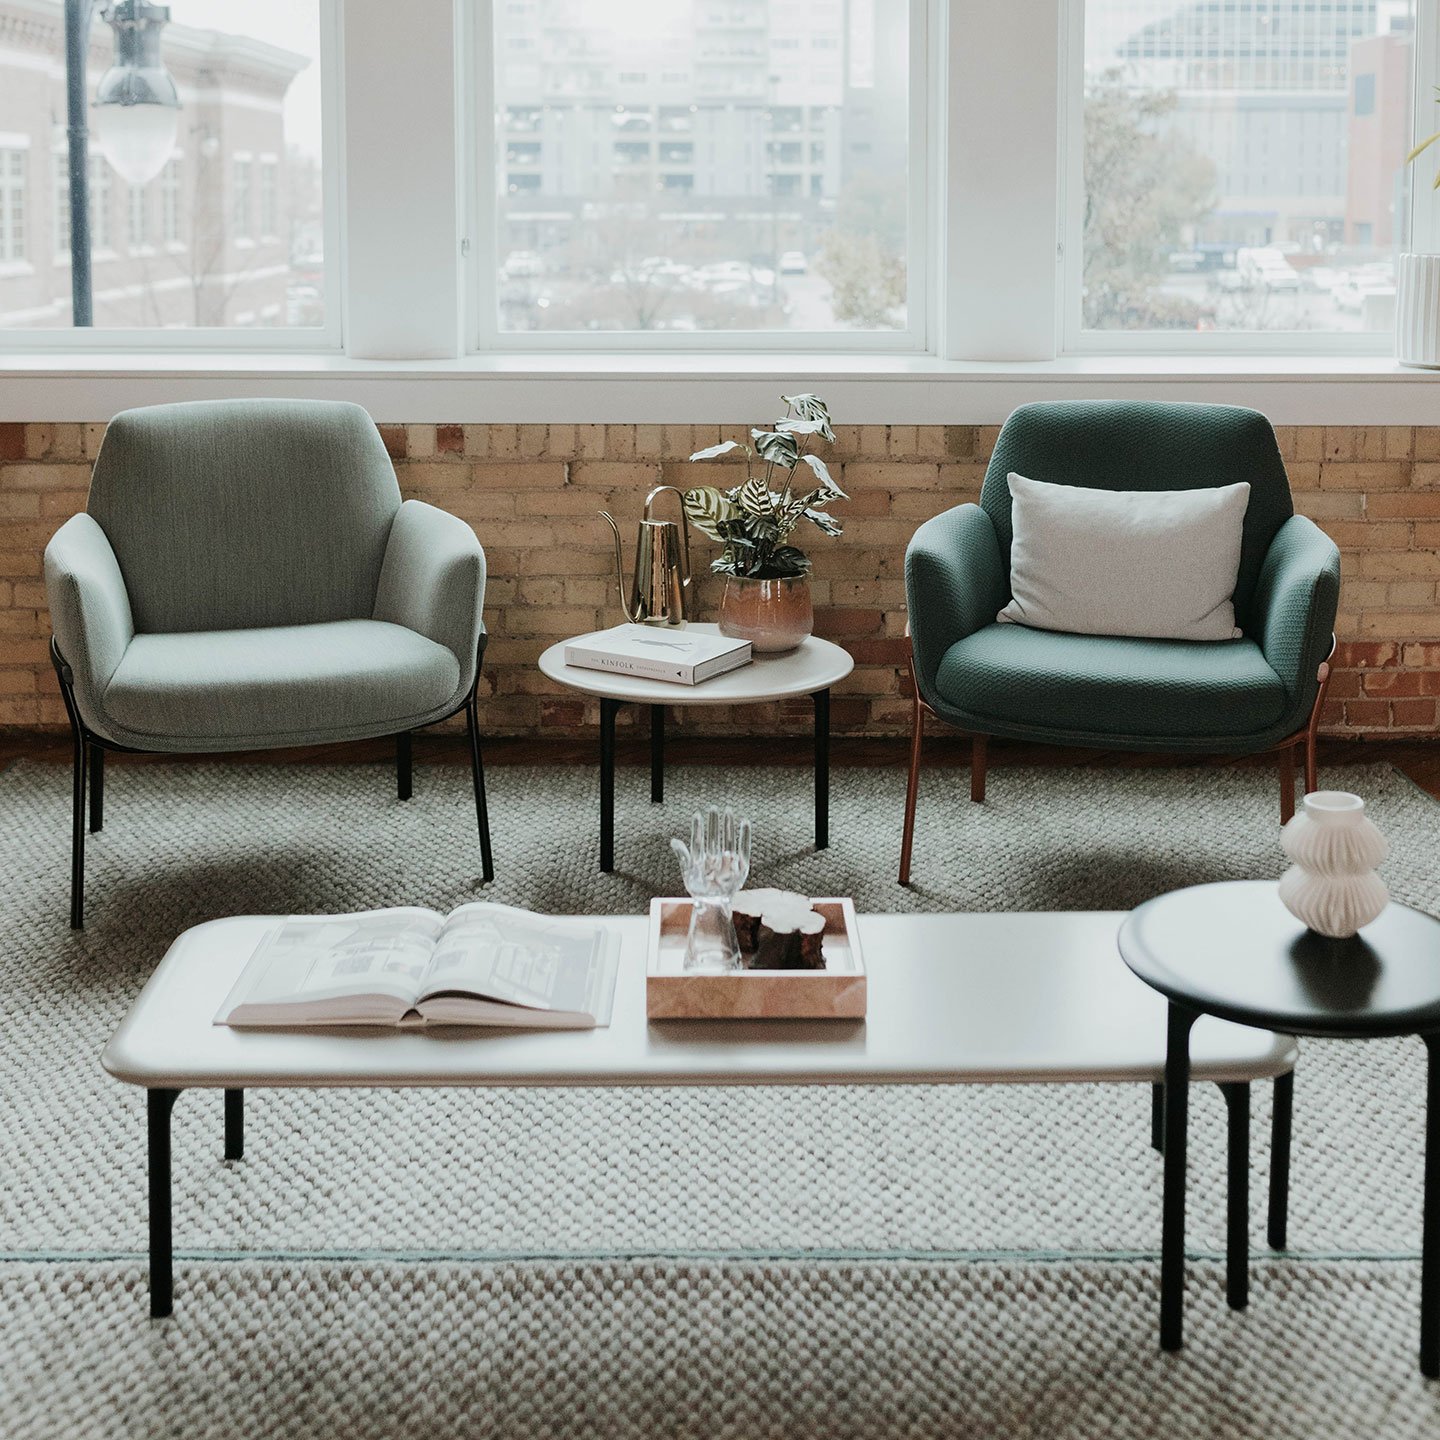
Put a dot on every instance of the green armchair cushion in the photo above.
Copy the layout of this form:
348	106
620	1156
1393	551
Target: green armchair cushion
215	690
1104	689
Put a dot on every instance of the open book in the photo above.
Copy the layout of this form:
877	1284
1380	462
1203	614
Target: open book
482	964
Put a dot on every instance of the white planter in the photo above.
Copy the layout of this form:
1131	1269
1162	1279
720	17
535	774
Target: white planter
1417	311
1332	887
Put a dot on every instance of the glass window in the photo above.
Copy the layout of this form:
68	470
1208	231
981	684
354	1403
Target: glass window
14	169
1230	184
684	168
163	243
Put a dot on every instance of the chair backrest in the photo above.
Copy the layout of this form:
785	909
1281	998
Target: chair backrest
233	514
1140	445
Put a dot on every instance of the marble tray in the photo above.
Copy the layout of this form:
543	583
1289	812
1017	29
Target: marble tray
835	993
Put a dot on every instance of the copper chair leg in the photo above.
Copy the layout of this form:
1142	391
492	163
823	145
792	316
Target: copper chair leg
979	751
912	791
1286	755
1312	730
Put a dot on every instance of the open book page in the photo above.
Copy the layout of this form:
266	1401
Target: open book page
535	961
368	966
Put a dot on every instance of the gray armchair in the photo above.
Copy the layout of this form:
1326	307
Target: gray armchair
246	577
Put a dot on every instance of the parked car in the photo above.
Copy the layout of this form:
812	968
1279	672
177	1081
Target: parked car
1264	266
793	262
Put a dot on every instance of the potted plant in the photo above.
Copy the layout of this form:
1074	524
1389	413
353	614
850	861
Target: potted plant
1417	298
767	584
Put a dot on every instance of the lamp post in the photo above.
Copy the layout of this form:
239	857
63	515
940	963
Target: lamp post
136	117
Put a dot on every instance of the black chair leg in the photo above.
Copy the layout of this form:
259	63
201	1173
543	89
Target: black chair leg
77	837
403	766
477	773
97	788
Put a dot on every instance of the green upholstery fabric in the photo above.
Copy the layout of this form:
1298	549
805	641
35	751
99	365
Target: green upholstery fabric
247	577
1142	445
234	513
1233	696
1102	688
211	690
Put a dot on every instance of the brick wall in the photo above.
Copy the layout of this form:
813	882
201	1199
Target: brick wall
532	493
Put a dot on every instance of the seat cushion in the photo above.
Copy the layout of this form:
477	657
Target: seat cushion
1110	687
227	689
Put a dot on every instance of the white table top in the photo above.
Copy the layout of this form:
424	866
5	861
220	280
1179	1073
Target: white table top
952	998
814	665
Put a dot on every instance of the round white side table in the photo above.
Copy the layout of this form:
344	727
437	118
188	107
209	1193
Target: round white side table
810	669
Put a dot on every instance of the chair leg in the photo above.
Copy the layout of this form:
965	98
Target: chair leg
477	774
1286	756
97	788
77	836
404	769
979	755
912	789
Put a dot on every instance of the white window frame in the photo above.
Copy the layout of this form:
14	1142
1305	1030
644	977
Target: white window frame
1076	340
327	337
477	110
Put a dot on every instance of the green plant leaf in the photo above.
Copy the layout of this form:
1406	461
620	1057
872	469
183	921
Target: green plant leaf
711	451
828	523
708	509
755	498
811	407
822	474
1422	147
777	447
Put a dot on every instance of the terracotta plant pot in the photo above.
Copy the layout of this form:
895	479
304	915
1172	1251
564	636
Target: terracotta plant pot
771	614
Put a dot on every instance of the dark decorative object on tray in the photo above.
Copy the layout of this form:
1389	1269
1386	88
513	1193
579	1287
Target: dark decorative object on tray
779	930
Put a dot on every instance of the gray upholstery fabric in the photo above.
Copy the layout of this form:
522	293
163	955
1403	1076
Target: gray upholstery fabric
89	608
207	690
247	577
433	581
234	513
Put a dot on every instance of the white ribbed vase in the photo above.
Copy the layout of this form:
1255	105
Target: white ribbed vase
1417	311
1332	886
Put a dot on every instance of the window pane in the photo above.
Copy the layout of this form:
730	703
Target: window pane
1244	163
717	165
221	226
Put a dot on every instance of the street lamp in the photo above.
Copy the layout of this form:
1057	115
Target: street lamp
136	117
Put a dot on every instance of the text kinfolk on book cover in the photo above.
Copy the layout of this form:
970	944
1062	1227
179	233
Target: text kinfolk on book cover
685	657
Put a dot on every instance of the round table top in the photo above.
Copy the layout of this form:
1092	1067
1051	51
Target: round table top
1235	951
813	665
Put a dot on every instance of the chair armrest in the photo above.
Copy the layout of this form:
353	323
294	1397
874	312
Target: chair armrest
89	607
956	581
1295	602
432	581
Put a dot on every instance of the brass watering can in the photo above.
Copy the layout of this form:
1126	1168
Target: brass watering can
661	577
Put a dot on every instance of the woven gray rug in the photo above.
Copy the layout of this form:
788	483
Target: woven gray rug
735	1263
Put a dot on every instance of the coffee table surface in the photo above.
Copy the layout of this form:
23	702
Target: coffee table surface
1233	949
814	665
952	999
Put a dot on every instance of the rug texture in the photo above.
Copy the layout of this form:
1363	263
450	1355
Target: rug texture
775	1262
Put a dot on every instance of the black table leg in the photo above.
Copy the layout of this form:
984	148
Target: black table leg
657	754
608	709
1157	1117
234	1124
822	769
159	1104
403	766
1172	1241
1278	1221
1237	1194
1430	1243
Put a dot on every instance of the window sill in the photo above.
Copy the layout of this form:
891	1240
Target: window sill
728	388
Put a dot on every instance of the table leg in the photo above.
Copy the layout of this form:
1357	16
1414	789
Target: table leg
822	769
1237	1194
159	1104
657	754
1280	1130
1172	1242
608	709
1430	1243
234	1124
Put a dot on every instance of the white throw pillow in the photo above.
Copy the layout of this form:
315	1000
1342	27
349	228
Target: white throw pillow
1160	564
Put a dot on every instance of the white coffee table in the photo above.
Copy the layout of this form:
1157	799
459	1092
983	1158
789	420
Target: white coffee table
810	669
953	999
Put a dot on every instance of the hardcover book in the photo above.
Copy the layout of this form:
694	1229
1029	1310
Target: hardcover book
682	656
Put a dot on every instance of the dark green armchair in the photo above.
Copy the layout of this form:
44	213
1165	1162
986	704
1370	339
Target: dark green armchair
1260	692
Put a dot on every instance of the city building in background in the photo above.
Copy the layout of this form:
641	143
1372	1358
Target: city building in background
229	234
735	165
1282	126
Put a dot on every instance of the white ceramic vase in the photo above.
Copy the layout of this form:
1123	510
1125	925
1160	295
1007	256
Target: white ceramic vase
1417	311
1332	886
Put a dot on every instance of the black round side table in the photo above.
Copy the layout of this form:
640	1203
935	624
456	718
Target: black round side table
1233	950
